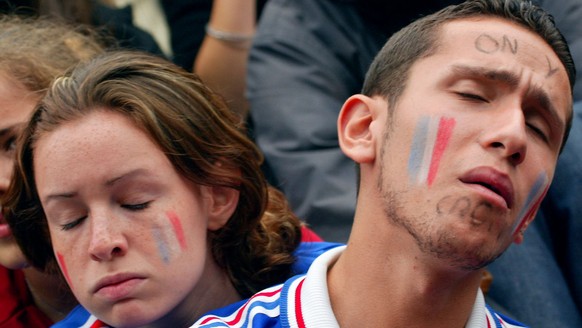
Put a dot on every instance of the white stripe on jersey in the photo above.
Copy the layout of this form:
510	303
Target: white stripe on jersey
249	310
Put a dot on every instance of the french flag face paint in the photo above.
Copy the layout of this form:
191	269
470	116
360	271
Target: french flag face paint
178	230
162	243
63	265
429	143
170	237
532	202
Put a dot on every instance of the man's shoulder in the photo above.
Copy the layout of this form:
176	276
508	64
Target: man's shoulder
307	252
264	309
495	319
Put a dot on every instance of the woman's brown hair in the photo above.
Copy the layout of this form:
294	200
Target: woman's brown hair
200	136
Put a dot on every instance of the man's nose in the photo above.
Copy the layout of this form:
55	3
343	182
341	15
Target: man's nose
507	135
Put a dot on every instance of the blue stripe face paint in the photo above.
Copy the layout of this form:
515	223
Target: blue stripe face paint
430	140
162	244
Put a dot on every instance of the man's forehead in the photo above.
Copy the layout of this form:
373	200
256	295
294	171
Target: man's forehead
494	37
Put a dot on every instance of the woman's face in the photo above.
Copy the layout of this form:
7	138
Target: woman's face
129	232
16	104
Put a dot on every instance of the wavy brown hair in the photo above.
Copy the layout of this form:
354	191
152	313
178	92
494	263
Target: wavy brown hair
199	135
33	51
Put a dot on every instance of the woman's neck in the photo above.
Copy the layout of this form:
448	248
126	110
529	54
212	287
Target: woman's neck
50	293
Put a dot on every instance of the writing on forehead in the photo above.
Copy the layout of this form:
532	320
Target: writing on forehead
489	44
551	70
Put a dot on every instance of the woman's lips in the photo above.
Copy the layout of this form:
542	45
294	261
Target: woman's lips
118	287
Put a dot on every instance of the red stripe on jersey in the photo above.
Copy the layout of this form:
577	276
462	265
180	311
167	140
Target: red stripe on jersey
98	324
298	313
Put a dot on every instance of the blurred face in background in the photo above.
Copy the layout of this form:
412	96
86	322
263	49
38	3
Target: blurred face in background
16	104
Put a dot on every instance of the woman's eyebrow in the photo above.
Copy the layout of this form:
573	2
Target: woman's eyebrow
109	183
127	175
59	195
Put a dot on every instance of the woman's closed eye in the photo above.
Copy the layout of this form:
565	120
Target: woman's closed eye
72	224
136	206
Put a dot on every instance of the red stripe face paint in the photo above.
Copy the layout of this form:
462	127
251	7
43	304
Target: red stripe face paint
431	138
178	230
170	238
62	264
533	201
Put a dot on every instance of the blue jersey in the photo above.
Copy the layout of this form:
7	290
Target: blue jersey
79	318
305	254
303	302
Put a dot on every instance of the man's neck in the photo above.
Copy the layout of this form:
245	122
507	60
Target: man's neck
382	282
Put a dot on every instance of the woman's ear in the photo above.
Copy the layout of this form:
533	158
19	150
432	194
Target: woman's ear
221	206
355	135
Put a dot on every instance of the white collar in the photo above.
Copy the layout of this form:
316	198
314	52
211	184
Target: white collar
316	306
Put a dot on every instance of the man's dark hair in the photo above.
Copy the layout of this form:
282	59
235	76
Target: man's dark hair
388	73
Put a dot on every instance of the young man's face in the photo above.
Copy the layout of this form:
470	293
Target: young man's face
471	145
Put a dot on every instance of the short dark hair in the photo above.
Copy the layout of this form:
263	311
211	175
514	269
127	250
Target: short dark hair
388	73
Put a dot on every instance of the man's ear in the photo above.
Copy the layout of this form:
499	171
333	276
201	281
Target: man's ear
354	128
222	202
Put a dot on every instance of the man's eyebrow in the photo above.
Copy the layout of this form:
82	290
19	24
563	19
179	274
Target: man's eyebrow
504	76
511	79
542	98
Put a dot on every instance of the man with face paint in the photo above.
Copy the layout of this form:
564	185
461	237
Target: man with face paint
452	168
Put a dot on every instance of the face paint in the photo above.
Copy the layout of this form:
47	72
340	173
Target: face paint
169	238
429	143
162	244
177	225
533	200
61	260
